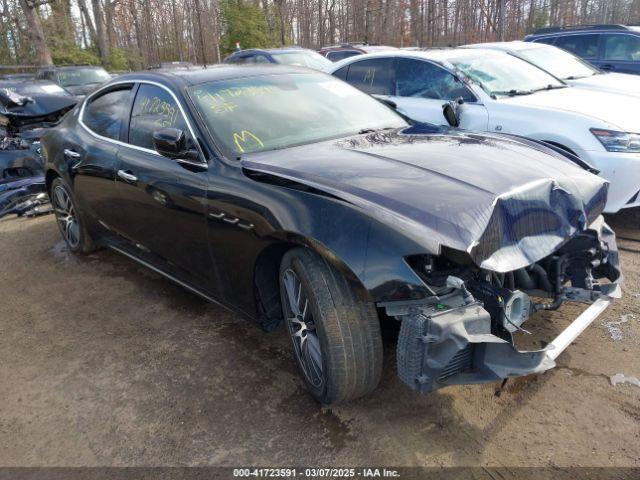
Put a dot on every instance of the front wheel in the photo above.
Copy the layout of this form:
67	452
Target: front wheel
335	334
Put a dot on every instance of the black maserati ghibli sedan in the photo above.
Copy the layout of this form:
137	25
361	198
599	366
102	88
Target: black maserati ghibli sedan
291	197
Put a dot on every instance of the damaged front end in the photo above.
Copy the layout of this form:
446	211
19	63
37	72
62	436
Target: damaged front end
22	121
464	333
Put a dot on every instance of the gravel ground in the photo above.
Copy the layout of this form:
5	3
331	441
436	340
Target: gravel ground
105	363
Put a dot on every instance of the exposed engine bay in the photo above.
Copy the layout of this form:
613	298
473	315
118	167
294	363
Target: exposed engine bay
464	333
22	121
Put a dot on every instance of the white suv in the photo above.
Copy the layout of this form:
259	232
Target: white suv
567	67
500	93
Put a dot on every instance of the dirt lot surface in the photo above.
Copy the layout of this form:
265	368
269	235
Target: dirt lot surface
103	362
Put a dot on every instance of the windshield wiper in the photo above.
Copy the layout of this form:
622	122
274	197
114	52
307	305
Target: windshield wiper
513	93
373	130
549	87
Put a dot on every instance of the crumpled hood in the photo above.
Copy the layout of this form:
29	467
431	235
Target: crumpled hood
506	204
619	111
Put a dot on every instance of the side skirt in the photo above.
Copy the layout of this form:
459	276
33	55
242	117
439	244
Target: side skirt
175	280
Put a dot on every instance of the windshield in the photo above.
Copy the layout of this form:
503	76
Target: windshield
303	58
558	62
82	76
503	74
280	111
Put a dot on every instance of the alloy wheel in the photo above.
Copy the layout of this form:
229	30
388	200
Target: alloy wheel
66	216
302	329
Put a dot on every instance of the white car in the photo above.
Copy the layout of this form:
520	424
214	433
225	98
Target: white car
500	93
567	67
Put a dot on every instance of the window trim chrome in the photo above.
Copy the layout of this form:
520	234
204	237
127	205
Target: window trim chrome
133	82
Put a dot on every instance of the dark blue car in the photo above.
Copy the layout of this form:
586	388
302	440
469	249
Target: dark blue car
613	48
296	56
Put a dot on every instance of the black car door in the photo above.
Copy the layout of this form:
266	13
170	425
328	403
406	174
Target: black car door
161	201
91	149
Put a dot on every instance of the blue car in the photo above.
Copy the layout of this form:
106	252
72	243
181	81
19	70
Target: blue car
296	56
614	48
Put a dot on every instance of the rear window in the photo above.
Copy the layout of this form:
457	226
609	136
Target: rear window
621	48
106	114
585	46
373	76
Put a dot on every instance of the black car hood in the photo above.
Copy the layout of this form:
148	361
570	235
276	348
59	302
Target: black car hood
506	204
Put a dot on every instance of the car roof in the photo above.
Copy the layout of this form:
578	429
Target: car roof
70	67
291	49
223	71
555	31
514	46
439	55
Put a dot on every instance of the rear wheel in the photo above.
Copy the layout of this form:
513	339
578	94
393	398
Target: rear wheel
70	223
335	334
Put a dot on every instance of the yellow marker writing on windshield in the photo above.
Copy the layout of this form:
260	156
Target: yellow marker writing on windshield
243	137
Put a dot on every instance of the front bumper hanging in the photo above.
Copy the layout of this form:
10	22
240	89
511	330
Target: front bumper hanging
456	346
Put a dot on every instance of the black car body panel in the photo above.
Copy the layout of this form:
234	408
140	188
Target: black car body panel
399	213
452	189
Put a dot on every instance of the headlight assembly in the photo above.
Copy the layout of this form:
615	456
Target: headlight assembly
617	141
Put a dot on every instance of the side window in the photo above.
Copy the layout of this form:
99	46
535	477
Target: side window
261	59
621	48
154	108
547	40
105	114
342	73
373	76
585	46
341	55
417	78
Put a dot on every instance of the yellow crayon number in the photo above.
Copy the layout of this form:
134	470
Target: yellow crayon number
167	114
243	137
369	76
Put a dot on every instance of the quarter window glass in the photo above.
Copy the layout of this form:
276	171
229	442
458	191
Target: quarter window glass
416	78
548	40
372	76
621	48
342	73
336	56
154	108
106	114
585	46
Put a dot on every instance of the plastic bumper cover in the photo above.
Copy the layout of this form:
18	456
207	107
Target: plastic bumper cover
622	170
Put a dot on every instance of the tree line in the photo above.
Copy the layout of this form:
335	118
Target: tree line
134	34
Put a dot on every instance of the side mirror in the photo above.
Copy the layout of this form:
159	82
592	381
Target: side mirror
172	143
451	113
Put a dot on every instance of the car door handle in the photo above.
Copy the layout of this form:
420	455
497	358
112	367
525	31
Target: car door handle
127	176
607	67
71	153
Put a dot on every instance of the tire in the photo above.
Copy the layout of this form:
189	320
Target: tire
72	226
336	323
